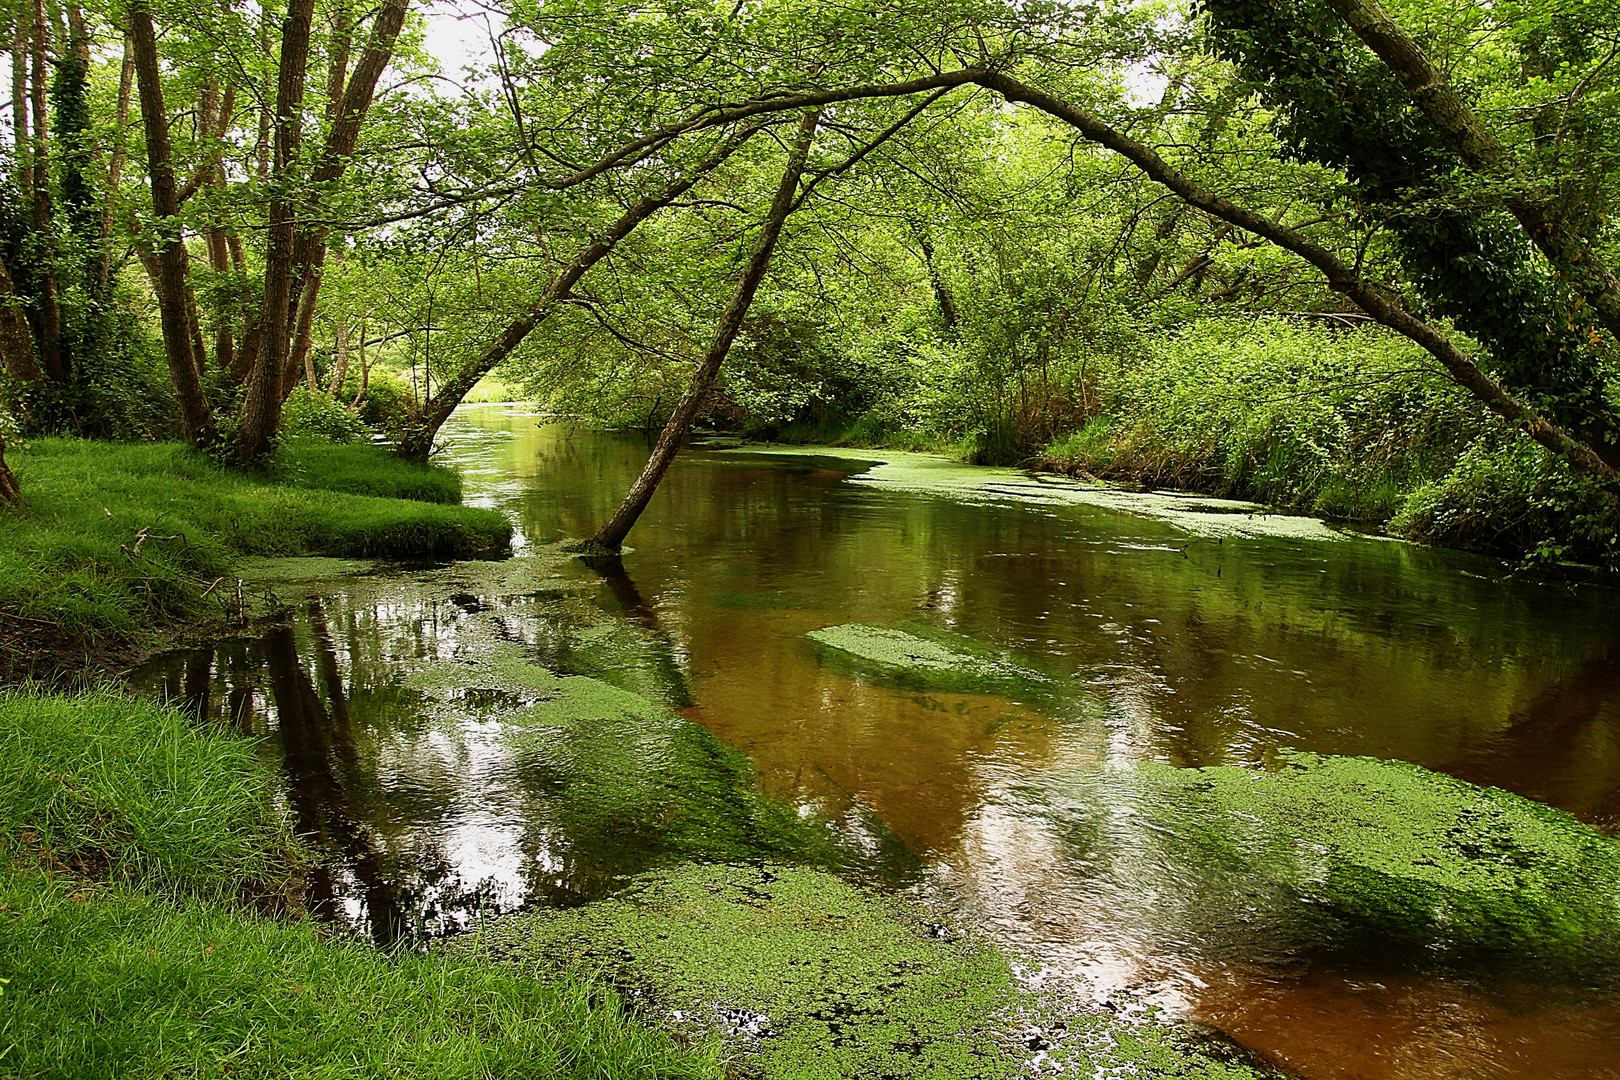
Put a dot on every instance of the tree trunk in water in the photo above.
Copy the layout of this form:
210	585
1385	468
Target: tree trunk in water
196	414
261	410
611	536
417	443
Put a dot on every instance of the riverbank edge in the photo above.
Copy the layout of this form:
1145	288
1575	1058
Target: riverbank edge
124	549
1389	525
141	854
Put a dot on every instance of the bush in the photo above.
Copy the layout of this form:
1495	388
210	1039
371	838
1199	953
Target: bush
1506	495
1327	421
308	415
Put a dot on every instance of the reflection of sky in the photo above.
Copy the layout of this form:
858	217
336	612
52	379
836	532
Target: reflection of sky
1182	650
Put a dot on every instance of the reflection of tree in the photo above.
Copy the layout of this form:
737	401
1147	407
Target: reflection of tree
312	743
1558	748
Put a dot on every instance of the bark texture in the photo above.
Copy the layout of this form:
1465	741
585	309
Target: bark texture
261	407
196	414
10	493
611	535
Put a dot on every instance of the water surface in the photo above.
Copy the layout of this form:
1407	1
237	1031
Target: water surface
1185	646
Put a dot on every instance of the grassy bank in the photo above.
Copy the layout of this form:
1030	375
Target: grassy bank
127	830
115	537
1349	425
1352	425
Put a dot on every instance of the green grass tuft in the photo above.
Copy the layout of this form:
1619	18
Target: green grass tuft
131	792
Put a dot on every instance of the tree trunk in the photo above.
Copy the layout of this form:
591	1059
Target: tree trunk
1377	302
115	169
261	410
611	536
340	360
49	310
301	358
417	443
942	292
10	493
196	414
20	52
17	357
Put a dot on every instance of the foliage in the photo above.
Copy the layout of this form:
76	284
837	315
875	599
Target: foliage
311	415
1505	496
1338	422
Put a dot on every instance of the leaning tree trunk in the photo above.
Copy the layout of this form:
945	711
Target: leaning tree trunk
611	536
1378	303
417	443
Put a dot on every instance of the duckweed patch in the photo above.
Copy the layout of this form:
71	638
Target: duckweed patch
302	568
622	784
922	657
1388	847
812	977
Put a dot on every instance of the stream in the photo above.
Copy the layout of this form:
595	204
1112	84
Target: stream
1186	632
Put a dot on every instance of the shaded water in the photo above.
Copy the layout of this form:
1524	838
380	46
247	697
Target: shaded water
1184	648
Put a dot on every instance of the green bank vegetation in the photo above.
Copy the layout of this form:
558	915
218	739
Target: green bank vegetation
1215	245
130	834
118	537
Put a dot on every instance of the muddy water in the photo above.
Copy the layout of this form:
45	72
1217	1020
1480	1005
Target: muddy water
1189	646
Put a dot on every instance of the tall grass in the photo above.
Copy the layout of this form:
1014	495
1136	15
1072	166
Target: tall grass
125	828
133	793
1334	422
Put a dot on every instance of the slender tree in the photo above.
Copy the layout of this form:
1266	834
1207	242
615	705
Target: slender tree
610	537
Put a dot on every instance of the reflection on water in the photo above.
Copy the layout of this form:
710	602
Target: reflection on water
1184	650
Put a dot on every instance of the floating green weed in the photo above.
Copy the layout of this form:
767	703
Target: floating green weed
816	978
922	657
622	782
1388	847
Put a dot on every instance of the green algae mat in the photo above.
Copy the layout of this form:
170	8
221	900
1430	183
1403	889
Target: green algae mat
810	977
622	782
1379	847
916	656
